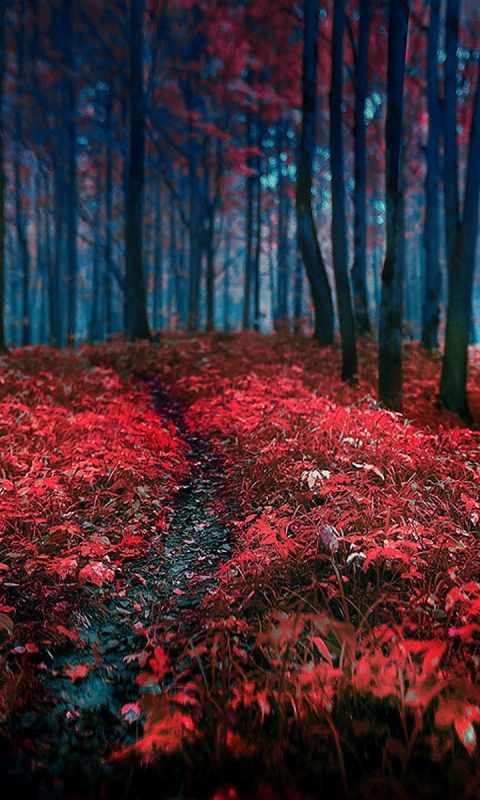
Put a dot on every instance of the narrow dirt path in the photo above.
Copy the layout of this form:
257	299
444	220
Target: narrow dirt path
198	535
59	754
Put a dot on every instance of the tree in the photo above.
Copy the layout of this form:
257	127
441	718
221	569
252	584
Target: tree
339	232
280	304
20	223
69	106
2	181
308	244
136	322
431	304
461	232
390	332
359	268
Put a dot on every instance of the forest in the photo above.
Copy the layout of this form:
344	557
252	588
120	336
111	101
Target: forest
239	399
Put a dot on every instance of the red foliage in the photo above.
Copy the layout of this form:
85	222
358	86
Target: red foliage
355	574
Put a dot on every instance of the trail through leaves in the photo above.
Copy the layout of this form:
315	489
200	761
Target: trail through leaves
294	568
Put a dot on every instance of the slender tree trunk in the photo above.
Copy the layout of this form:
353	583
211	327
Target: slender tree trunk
136	320
173	260
431	303
195	225
271	273
450	158
226	286
210	274
178	269
208	235
158	261
247	283
2	181
107	275
20	222
339	223
69	106
453	381
359	269
258	247
281	321
56	285
297	296
308	244
390	334
96	319
43	255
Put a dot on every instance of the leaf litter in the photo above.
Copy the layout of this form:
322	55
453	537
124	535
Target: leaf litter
321	635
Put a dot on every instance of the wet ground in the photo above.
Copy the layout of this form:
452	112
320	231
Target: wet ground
58	753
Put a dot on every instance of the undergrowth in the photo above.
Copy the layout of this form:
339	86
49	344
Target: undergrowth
339	654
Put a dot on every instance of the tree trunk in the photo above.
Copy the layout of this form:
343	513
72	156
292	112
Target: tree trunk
258	246
247	283
453	382
2	181
281	321
308	244
390	333
69	105
195	233
431	303
56	285
158	261
359	269
20	222
450	158
297	296
177	267
107	275
210	275
208	236
135	310
339	224
226	286
96	319
43	254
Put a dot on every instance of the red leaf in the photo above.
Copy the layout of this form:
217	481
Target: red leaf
78	672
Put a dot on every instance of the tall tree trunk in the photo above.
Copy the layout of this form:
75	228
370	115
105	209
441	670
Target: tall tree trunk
247	282
195	242
209	245
339	224
20	222
2	181
55	283
297	296
390	333
281	321
306	234
359	269
210	274
135	312
107	274
258	246
453	381
431	302
226	286
96	318
69	106
450	158
195	239
43	254
178	269
158	260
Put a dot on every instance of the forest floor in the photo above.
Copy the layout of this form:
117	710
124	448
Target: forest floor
225	574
